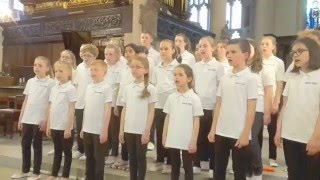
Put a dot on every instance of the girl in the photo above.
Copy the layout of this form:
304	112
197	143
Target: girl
197	53
33	117
163	80
183	109
263	109
183	43
221	55
299	120
139	100
61	117
125	78
276	67
238	91
207	73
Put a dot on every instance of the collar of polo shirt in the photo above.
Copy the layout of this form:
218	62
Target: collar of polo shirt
186	94
141	85
42	79
64	85
171	64
238	74
98	84
208	62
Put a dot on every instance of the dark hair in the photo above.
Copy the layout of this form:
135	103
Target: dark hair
243	44
314	54
178	58
186	40
256	62
133	46
187	69
143	49
144	61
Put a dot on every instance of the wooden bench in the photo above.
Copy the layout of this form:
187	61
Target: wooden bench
9	117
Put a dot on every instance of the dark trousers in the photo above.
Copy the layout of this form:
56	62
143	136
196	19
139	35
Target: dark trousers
255	165
31	134
79	120
95	152
300	165
124	149
113	136
61	145
159	118
137	156
205	150
176	163
240	158
272	128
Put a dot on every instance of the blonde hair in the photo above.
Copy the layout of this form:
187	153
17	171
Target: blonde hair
90	48
274	42
73	57
116	48
48	64
209	39
65	65
144	61
308	33
100	63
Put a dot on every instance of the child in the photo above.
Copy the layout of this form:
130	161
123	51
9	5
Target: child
146	40
207	73
163	79
139	100
276	67
197	53
263	110
88	53
98	98
61	116
68	56
33	117
143	52
183	109
183	43
221	55
125	78
112	56
237	92
299	123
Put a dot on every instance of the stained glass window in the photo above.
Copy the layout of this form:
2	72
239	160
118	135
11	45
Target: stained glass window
200	12
313	12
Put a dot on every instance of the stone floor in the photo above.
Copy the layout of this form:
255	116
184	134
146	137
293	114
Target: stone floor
10	162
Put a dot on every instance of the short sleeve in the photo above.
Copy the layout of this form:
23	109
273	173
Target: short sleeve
220	72
27	88
124	94
290	68
154	76
197	107
72	94
252	88
51	95
219	91
108	95
266	77
167	106
280	71
286	88
76	78
153	94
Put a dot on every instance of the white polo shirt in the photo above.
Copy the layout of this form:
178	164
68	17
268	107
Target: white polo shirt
226	66
235	90
181	109
188	58
151	68
163	79
96	96
276	67
60	97
288	71
207	76
112	78
38	92
302	110
154	55
136	108
124	80
82	79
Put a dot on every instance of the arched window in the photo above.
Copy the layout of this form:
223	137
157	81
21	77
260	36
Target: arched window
200	12
234	14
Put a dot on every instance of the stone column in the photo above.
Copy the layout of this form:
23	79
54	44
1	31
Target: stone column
265	18
1	48
218	16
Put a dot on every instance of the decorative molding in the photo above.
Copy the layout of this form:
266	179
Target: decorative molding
30	30
72	3
98	23
57	27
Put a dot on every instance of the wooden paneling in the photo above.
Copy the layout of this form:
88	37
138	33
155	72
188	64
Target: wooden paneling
32	51
13	56
56	49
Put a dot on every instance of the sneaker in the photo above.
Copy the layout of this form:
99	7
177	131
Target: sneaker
76	155
50	152
150	146
83	158
34	177
156	167
75	148
210	173
196	170
20	175
166	169
273	163
120	162
204	165
110	160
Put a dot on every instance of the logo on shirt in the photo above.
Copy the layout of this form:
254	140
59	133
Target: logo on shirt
312	83
186	103
211	69
240	83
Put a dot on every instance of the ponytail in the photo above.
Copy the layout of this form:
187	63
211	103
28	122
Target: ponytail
145	93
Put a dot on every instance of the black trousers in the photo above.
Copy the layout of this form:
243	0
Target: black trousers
95	152
300	165
124	149
240	158
31	134
272	129
159	118
176	164
205	150
113	136
61	145
79	120
137	156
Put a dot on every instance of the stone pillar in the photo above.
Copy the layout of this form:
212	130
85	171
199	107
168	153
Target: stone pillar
1	48
218	16
265	18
